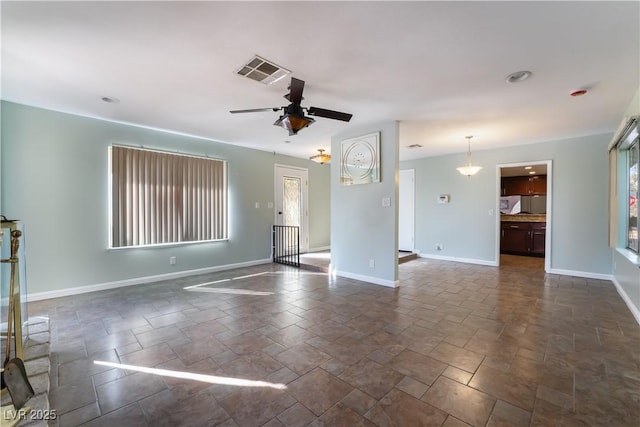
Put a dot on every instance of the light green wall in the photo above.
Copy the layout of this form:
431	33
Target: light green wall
466	228
361	228
54	178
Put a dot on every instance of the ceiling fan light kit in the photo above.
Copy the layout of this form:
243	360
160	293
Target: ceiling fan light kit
293	123
294	118
469	169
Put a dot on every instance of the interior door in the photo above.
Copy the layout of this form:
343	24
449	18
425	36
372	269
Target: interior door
406	210
292	200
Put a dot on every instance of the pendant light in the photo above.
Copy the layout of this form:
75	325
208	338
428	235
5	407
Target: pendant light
468	169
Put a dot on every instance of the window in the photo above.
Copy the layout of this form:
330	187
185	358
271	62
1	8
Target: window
163	198
633	164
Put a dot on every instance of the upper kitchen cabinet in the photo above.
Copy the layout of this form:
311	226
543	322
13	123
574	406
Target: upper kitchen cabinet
524	185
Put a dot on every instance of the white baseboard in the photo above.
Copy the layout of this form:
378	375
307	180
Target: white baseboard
37	296
319	249
562	272
368	279
635	311
463	260
576	273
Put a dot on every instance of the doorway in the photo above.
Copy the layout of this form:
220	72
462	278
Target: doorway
292	200
523	206
406	210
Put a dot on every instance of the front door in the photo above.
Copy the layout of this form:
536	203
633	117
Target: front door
291	207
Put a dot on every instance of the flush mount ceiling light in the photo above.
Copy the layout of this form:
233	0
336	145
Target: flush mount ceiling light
468	169
110	99
518	76
321	158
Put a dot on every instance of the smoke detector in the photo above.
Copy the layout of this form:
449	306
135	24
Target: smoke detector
579	92
262	70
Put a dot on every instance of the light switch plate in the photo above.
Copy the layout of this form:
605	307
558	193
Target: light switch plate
386	202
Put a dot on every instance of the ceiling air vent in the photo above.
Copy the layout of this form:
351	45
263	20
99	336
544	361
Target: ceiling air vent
261	70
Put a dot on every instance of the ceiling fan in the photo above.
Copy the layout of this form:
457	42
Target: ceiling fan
293	118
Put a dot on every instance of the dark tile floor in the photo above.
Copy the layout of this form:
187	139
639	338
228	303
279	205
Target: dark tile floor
455	345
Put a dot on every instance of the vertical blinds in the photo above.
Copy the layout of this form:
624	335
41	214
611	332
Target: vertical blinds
162	197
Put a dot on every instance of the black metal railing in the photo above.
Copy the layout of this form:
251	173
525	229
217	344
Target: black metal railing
286	245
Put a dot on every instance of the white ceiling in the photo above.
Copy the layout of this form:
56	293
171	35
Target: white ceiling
437	67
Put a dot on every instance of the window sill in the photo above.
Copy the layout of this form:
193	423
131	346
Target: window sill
167	245
633	257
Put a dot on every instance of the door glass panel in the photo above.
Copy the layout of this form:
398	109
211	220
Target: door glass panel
291	201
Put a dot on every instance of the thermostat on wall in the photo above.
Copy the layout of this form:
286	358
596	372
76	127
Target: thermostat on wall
444	198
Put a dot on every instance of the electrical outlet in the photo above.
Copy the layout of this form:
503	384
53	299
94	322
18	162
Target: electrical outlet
438	246
172	260
372	264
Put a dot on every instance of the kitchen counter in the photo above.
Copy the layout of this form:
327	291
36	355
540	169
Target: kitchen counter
523	218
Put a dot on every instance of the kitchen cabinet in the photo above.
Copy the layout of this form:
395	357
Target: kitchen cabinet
514	237
515	185
524	185
538	236
523	238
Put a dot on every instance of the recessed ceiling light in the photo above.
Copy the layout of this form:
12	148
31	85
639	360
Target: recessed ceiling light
528	167
110	99
532	173
518	76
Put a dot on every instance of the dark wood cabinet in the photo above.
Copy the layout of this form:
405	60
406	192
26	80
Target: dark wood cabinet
524	185
538	185
514	237
523	238
515	185
538	236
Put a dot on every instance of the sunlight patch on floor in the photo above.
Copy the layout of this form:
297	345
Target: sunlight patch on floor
232	291
200	287
240	382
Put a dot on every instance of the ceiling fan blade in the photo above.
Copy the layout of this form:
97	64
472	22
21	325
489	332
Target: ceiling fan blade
295	90
329	114
255	110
